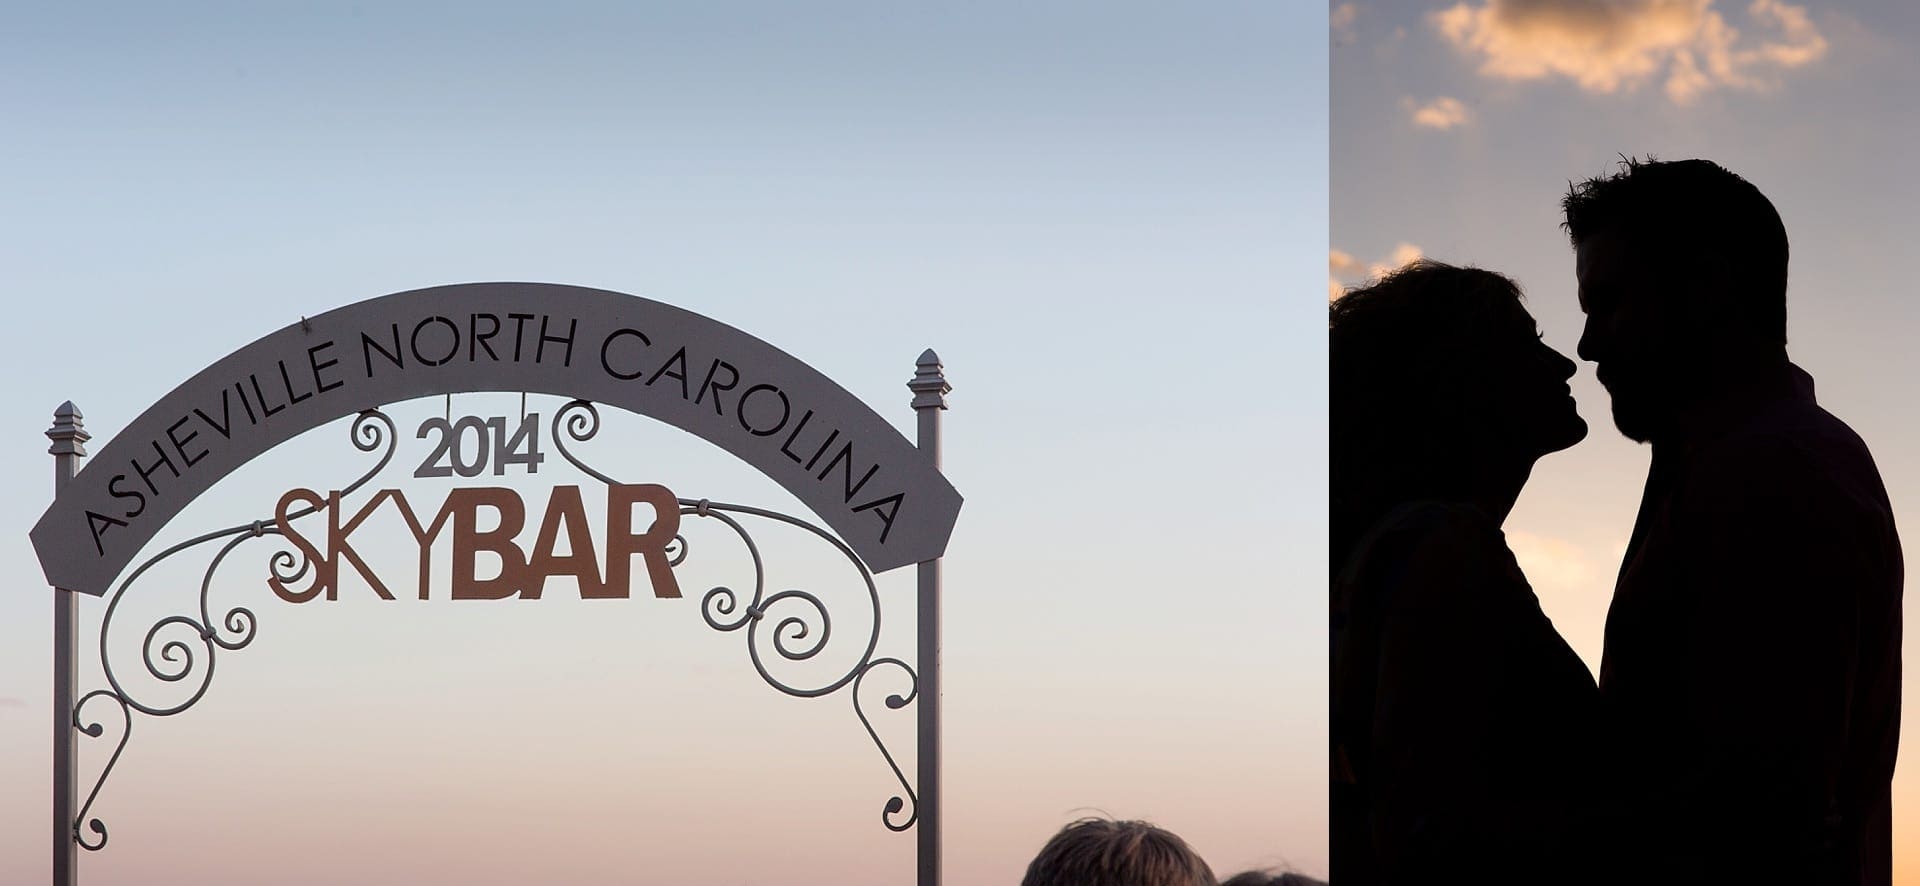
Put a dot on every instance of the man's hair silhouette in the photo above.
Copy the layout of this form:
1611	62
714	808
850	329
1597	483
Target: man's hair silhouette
1682	268
1694	219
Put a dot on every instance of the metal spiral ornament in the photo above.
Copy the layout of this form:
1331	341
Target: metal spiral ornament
801	627
578	421
182	649
896	701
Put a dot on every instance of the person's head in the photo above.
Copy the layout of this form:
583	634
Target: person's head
1682	269
1438	378
1104	852
1270	878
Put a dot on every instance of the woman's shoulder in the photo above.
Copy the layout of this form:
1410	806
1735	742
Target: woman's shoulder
1431	560
1437	517
1429	530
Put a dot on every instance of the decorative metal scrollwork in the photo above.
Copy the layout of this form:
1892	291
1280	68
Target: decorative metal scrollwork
182	649
168	648
805	626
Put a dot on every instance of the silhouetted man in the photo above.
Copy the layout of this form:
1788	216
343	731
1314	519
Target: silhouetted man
1751	680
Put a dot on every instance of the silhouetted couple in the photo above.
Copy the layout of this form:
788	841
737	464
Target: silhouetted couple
1744	725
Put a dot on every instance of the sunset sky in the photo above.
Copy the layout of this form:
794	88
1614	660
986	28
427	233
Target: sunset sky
1457	126
1107	220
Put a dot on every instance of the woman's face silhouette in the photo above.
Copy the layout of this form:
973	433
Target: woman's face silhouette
1527	405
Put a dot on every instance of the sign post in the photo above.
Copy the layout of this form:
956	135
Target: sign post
930	391
69	436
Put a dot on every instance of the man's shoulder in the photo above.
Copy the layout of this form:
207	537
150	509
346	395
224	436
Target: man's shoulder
1797	462
1795	440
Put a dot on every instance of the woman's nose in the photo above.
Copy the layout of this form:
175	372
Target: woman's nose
1567	367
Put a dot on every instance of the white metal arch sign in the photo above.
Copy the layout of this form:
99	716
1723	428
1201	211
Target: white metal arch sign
882	496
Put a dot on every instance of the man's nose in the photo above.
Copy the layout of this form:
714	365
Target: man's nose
1589	346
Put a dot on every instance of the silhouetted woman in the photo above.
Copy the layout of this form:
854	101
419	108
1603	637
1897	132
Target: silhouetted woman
1459	716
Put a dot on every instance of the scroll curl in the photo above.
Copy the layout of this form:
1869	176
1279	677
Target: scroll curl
181	650
802	625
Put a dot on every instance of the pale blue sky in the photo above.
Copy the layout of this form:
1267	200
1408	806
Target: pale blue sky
1108	219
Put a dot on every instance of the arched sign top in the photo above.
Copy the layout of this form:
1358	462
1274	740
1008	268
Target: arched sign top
830	450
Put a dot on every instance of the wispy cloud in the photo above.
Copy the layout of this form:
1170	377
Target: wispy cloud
1609	47
1344	265
1552	564
1340	264
1402	255
1442	113
1574	580
1341	19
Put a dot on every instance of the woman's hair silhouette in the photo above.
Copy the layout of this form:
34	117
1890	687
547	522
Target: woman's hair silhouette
1432	370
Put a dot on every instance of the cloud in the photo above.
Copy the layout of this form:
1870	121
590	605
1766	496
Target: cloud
1341	20
1617	46
1442	113
1552	564
1345	265
1574	583
1339	264
1402	255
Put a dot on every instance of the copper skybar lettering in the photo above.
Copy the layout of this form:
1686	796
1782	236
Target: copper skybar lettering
523	571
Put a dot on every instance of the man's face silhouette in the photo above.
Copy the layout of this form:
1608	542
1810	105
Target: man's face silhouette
1630	331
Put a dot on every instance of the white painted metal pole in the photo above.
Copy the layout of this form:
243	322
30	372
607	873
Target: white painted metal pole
930	390
69	436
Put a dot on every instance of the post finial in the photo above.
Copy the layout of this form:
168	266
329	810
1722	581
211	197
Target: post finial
69	432
929	384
